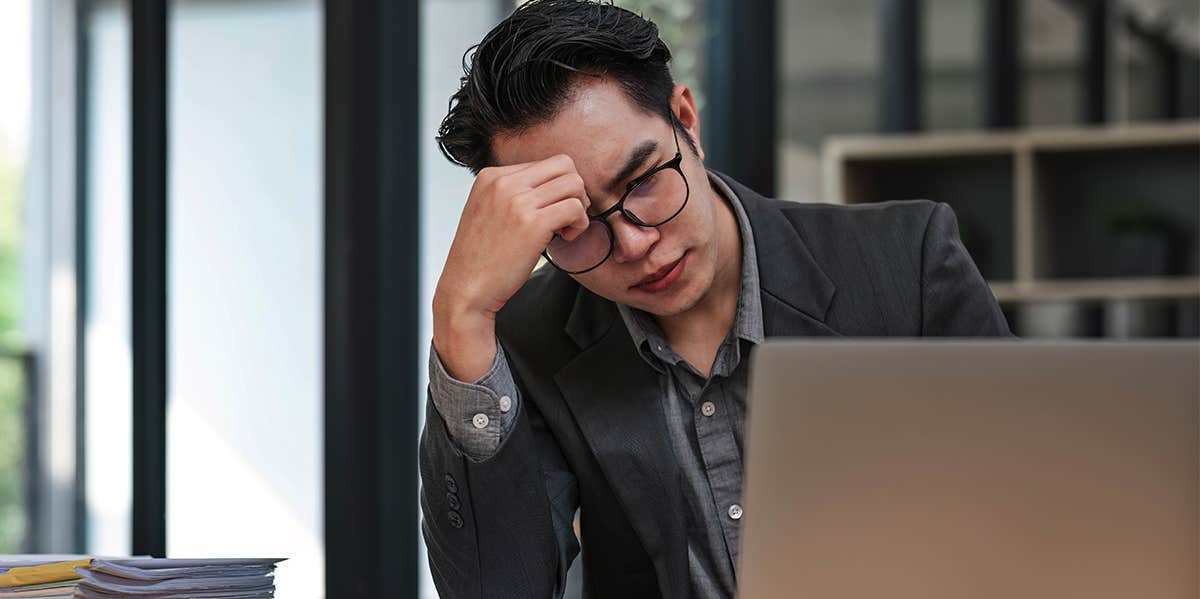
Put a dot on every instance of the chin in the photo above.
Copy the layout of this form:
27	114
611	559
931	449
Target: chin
659	308
683	299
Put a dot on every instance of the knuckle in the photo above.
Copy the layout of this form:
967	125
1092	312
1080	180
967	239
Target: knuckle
520	200
564	160
524	218
487	175
527	220
504	185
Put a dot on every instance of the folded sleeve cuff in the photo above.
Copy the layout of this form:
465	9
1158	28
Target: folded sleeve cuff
479	415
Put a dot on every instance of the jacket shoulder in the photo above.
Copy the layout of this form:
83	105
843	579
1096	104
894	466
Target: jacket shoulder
883	232
910	217
873	254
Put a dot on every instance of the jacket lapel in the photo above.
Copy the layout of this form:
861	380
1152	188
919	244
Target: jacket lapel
615	398
796	293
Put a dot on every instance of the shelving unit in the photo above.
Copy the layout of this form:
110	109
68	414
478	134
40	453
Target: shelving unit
1050	215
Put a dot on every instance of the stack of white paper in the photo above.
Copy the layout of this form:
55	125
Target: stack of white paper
49	590
83	577
177	578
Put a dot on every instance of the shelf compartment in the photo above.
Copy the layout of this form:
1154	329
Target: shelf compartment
1120	212
978	187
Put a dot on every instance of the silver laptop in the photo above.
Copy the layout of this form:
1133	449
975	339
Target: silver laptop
971	469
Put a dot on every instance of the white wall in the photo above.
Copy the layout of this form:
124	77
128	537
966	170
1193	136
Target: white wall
244	434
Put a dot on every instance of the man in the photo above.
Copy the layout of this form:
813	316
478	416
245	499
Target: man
613	380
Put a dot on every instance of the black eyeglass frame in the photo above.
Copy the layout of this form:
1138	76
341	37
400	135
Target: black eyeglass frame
674	164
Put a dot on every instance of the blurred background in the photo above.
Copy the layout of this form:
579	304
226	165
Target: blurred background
221	223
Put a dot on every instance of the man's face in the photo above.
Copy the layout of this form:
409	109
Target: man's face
601	130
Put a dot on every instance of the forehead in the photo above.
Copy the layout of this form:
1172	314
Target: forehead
597	127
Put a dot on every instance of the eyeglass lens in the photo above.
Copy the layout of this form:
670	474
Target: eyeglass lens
656	200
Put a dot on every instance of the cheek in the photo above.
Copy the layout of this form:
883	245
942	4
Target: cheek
695	223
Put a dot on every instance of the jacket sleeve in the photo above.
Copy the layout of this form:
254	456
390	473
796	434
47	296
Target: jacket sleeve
955	300
501	526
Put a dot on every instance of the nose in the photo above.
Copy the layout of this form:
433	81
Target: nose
631	242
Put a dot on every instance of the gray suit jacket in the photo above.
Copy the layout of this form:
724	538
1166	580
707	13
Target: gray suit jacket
591	431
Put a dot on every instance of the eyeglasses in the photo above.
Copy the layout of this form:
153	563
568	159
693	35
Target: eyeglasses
651	200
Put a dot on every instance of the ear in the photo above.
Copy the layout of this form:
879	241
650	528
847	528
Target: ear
684	107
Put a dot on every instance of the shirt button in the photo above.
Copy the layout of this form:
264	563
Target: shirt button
453	501
505	403
480	421
455	519
735	512
708	408
451	484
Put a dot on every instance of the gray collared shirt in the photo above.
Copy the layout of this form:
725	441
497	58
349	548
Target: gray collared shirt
706	421
705	418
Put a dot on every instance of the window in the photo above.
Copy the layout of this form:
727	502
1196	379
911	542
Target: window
15	362
107	364
245	242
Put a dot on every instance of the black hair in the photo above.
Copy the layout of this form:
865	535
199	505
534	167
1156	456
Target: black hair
525	68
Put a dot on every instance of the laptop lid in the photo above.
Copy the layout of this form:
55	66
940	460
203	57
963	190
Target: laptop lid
972	469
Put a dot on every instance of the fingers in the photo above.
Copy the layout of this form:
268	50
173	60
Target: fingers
544	197
512	182
567	185
567	218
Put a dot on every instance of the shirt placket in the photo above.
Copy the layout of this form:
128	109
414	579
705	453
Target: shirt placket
720	453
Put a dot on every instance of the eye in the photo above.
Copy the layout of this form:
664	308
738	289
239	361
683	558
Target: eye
645	188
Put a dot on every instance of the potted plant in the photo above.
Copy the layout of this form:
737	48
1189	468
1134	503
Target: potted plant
1141	242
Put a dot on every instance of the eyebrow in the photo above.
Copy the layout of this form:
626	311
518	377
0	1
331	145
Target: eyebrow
636	158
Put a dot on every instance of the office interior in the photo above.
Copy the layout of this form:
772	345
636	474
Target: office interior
221	223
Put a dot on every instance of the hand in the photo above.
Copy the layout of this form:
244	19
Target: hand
511	215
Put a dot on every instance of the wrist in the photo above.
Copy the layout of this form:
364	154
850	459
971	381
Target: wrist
464	339
463	329
452	316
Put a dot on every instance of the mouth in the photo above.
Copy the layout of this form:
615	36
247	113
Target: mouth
663	278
